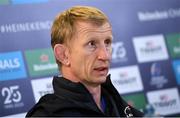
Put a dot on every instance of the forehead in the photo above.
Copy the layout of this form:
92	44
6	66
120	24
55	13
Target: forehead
87	27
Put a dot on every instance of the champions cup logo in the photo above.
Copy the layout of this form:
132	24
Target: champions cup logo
155	69
157	78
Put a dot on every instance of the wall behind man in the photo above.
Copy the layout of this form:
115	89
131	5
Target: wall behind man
145	60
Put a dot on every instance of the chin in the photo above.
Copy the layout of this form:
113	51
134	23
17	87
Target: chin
101	80
98	79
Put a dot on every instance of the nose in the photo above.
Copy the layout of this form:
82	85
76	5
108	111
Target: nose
104	53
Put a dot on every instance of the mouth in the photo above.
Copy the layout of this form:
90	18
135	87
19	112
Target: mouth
101	71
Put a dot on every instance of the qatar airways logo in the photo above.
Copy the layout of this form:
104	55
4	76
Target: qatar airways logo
165	101
41	87
150	48
126	79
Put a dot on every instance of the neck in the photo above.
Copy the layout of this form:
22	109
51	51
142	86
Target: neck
66	73
96	94
95	90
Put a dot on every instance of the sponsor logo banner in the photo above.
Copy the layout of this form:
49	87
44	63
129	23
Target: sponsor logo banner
155	75
119	53
41	62
157	78
126	79
25	27
136	100
150	48
158	15
21	115
3	2
165	101
41	87
173	42
12	66
176	66
27	1
14	97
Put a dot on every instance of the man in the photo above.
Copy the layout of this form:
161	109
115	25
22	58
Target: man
81	40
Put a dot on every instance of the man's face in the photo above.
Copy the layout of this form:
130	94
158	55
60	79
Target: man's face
90	53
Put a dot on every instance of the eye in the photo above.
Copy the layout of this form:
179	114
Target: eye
92	44
108	42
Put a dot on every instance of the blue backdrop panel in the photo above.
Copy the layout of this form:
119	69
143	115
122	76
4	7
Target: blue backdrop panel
140	29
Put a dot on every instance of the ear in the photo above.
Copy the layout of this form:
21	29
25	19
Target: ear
61	54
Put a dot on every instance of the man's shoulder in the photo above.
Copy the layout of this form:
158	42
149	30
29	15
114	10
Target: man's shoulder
45	106
52	105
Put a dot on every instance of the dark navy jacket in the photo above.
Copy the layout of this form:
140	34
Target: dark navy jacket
73	99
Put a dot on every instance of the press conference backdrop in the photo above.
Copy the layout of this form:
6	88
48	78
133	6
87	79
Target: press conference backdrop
145	65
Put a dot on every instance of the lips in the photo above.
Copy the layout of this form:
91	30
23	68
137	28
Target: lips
101	70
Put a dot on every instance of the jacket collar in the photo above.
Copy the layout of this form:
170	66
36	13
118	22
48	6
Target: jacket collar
69	89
